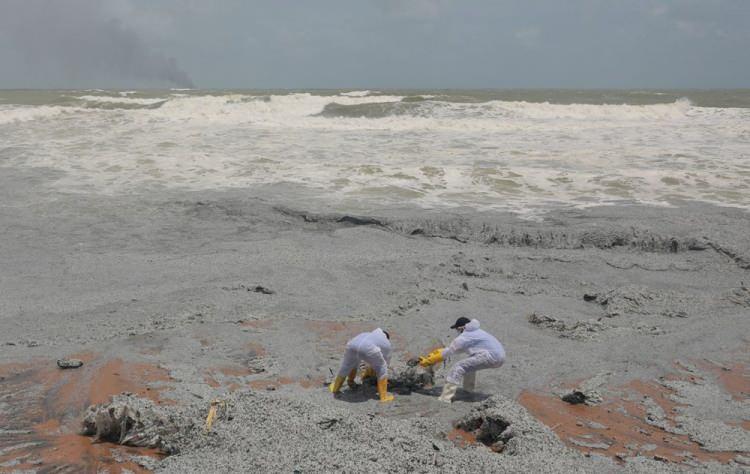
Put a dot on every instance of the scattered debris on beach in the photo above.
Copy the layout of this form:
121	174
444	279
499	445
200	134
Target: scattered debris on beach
576	397
131	421
632	299
250	288
69	363
411	378
580	330
488	425
740	296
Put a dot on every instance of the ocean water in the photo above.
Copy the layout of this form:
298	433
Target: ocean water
516	150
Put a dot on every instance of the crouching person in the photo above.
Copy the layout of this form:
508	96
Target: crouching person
373	348
485	352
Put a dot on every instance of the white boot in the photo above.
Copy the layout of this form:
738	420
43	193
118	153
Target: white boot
449	391
470	381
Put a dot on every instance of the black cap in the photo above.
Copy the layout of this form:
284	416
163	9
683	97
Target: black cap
460	322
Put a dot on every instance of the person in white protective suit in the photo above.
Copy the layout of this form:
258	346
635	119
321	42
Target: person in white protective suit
373	348
485	352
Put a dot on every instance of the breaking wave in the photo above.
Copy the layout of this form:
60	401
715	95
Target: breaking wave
122	102
11	114
356	93
419	106
354	105
437	149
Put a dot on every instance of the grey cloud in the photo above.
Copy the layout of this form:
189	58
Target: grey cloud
375	44
414	9
79	42
528	36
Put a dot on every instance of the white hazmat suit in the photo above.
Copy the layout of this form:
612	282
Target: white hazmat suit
485	352
373	348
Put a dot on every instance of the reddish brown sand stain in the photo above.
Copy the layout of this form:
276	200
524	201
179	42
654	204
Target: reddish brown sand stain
274	383
235	371
461	438
337	332
225	376
44	411
313	382
205	342
211	381
230	376
618	427
78	454
255	350
257	324
744	424
734	378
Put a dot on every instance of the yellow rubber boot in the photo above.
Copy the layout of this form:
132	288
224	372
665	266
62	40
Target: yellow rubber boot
383	390
336	384
350	380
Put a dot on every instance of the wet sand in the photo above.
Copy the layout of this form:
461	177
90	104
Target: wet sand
624	426
43	406
159	294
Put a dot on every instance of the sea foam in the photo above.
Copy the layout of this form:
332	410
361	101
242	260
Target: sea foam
433	150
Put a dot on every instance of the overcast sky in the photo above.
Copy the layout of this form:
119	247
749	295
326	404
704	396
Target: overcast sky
375	43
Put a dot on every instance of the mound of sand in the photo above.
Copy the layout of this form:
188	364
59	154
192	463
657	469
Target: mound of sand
272	433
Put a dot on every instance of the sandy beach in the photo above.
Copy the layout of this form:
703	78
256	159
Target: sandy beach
183	297
392	236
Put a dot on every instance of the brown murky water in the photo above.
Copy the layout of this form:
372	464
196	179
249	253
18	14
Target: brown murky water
42	408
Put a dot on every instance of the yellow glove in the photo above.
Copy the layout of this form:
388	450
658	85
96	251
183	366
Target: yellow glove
432	358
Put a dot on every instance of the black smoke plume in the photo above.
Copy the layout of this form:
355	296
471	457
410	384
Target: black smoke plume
75	43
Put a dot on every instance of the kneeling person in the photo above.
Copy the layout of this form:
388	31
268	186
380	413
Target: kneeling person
485	352
374	348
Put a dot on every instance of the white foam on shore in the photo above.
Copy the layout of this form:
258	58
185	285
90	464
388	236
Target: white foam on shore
14	113
494	154
124	99
356	93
